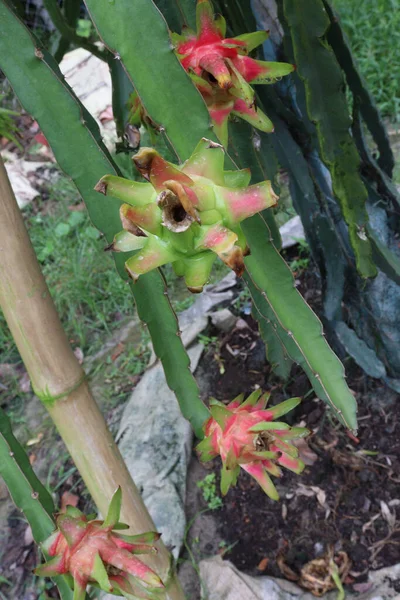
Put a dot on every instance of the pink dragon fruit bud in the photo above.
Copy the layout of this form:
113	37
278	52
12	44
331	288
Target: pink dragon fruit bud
93	553
186	214
222	70
246	435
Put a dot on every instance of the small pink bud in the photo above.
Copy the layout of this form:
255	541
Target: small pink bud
92	552
222	70
245	435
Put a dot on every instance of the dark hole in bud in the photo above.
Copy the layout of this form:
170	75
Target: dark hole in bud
209	77
111	570
263	441
179	214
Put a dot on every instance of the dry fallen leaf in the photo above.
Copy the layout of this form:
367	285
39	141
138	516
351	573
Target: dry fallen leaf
318	574
312	490
68	499
321	495
25	383
262	565
305	453
118	351
35	440
79	354
387	514
28	537
303	490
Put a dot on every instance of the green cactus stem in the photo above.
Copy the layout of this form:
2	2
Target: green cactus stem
167	94
323	368
327	108
82	155
277	300
27	492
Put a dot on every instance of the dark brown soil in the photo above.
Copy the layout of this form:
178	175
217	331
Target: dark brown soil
348	498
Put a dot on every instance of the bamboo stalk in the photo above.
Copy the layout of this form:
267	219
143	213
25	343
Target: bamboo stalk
59	381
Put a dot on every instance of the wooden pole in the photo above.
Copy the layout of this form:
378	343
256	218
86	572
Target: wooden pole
60	382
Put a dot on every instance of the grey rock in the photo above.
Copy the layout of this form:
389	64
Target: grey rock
24	177
194	319
155	441
223	320
292	231
196	316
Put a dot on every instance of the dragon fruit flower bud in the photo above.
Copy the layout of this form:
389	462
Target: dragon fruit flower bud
187	215
222	69
92	552
246	435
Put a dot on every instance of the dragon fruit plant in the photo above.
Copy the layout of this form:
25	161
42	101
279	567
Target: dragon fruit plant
186	215
93	553
246	435
222	70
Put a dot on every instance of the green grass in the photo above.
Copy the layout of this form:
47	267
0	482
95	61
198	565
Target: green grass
373	28
208	487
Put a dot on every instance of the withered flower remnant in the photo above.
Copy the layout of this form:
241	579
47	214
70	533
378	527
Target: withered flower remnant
186	215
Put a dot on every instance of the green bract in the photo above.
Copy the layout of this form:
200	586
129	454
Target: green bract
186	215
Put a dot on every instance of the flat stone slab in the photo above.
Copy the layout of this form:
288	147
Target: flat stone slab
156	441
